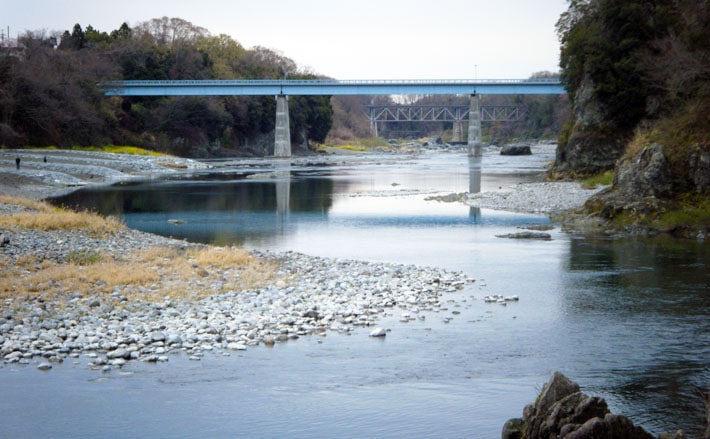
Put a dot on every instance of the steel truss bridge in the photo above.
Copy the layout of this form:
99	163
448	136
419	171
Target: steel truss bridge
458	114
441	113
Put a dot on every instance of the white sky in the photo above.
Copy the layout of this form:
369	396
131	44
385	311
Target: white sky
363	39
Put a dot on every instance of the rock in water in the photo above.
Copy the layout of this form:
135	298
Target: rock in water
378	332
527	235
516	149
44	366
562	411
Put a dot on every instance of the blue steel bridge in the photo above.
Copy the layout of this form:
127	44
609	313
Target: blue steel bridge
328	87
281	89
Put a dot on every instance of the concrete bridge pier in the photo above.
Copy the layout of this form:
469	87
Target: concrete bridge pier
457	135
282	141
474	127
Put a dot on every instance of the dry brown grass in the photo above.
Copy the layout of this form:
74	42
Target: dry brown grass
147	275
150	275
24	202
43	216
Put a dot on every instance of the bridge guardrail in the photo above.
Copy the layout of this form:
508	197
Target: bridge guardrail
272	82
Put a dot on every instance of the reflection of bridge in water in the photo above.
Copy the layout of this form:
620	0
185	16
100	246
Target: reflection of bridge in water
283	189
329	87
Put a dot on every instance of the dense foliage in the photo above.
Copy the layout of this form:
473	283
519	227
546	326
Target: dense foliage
49	91
637	65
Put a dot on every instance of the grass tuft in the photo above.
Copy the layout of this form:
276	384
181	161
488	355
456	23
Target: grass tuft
149	275
43	216
84	257
26	203
692	212
603	179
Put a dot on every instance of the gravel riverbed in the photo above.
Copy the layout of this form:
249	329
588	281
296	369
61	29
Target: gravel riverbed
545	197
308	296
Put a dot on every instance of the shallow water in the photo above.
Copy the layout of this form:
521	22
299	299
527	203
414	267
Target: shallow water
627	319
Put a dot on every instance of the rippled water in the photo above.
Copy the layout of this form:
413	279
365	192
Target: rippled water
627	319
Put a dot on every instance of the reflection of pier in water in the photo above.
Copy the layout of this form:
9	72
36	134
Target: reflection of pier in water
474	183
283	189
283	194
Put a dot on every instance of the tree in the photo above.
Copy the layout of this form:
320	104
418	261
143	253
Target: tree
169	32
193	121
55	99
74	40
122	33
223	53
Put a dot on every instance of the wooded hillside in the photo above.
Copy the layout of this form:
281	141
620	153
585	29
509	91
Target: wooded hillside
633	69
49	94
638	75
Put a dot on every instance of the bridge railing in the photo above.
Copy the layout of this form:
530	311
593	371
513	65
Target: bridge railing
181	82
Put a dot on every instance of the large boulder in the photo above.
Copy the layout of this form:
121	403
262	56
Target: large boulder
562	411
649	175
516	149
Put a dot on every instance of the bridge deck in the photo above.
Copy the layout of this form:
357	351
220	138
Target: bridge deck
327	87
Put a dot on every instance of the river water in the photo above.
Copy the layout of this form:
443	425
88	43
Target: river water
626	318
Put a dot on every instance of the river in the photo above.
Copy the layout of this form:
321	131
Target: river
625	318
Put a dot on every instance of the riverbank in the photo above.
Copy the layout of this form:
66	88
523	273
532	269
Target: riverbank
45	173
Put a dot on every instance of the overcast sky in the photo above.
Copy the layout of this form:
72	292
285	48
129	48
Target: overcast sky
363	39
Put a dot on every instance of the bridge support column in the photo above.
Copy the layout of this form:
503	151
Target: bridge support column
474	127
457	135
373	128
282	141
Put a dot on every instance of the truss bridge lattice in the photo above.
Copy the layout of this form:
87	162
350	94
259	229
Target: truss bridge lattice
458	114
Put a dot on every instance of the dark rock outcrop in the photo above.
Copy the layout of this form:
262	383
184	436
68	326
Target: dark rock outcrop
647	176
699	170
589	151
516	149
562	411
592	144
649	184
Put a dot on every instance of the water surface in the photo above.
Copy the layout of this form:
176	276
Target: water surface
627	319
